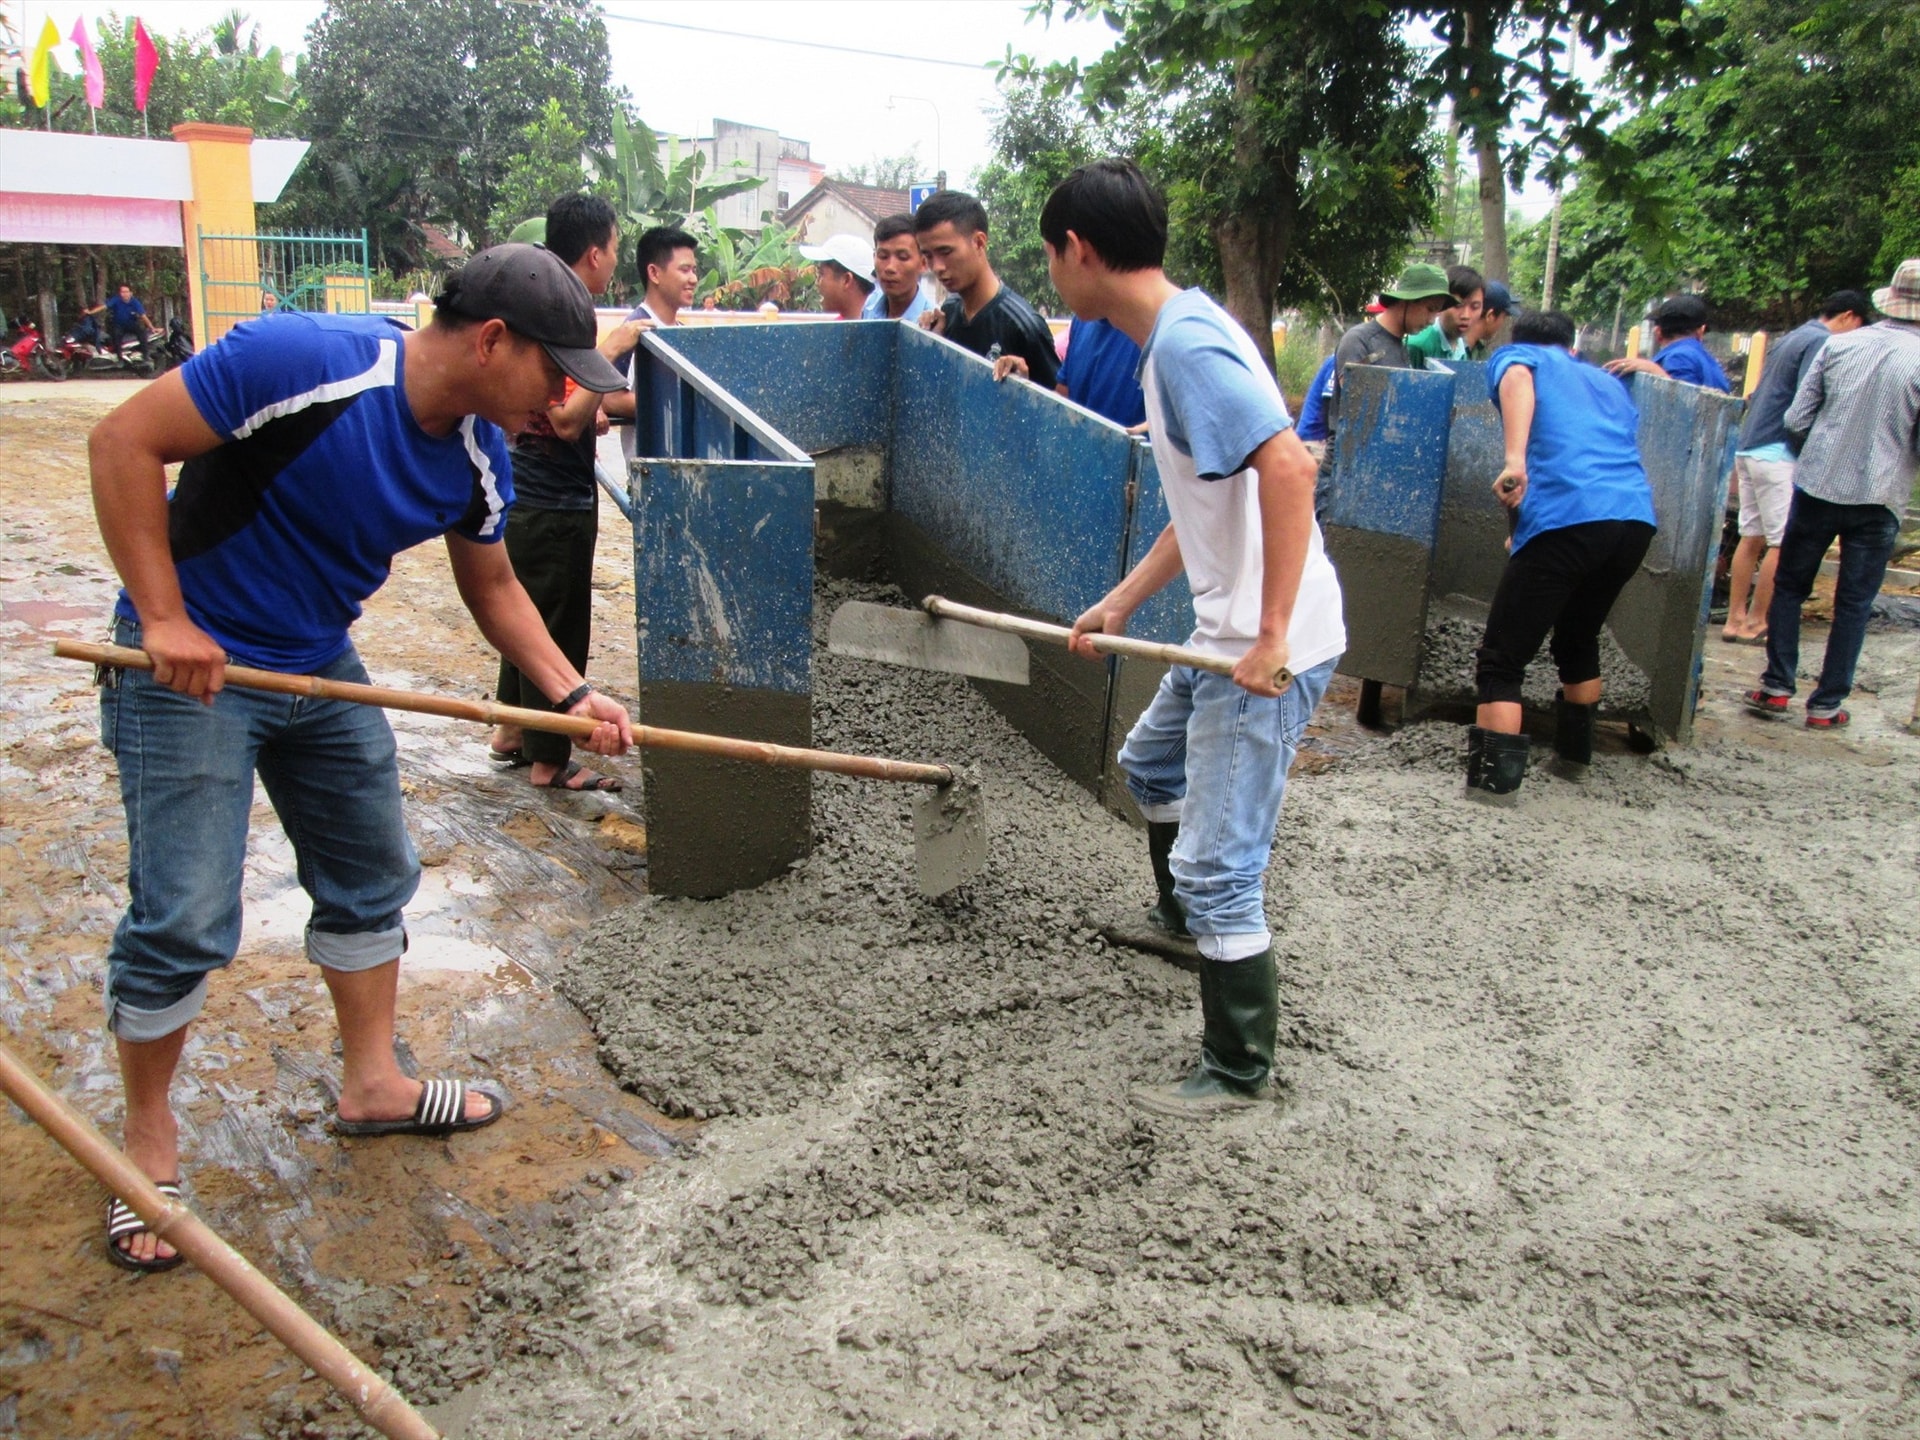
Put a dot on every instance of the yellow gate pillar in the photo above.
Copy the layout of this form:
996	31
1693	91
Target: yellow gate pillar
221	160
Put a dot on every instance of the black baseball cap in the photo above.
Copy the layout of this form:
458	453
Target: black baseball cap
538	296
1499	299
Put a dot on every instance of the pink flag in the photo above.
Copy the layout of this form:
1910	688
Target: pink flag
90	63
146	60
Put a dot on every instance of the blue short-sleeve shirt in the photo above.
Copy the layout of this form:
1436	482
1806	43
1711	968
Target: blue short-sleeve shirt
1218	411
1692	362
1101	372
282	532
1313	409
1583	454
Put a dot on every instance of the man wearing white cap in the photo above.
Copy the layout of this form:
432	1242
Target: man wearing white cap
843	273
1855	421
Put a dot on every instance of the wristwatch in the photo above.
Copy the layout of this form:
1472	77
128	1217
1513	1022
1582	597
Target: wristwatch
574	697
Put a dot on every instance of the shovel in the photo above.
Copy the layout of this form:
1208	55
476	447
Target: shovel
950	825
961	640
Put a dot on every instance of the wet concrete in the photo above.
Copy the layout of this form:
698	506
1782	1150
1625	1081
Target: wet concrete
1383	592
1582	1134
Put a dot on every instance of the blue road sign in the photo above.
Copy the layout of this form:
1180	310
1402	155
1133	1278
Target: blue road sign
917	194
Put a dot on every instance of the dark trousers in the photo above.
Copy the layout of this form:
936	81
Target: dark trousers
1565	581
552	553
1866	534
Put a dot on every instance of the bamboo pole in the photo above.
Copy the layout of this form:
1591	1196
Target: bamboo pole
379	1404
1107	644
753	752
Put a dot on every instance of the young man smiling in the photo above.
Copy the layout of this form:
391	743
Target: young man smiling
1207	763
982	314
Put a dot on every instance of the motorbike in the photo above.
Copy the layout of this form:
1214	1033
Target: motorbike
179	347
131	355
28	353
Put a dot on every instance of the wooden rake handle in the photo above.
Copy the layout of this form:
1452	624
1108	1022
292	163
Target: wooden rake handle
379	1403
1106	644
753	752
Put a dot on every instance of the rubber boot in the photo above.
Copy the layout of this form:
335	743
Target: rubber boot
1572	738
1496	764
1167	914
1240	1012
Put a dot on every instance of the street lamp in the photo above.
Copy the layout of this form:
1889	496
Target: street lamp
940	178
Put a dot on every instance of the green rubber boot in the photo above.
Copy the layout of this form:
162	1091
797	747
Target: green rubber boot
1240	1010
1167	914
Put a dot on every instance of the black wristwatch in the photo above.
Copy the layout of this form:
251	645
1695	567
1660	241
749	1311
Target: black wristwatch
574	697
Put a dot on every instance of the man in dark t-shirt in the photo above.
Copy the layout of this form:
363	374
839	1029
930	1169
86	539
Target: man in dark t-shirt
554	526
982	314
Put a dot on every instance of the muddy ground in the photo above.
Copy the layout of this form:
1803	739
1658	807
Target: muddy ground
1599	1117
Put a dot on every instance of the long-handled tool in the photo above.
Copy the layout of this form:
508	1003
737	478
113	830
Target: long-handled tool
379	1404
950	828
947	636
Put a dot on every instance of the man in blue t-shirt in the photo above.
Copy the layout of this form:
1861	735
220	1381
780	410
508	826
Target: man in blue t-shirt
1100	372
1679	353
1313	409
126	316
1581	513
1207	762
313	449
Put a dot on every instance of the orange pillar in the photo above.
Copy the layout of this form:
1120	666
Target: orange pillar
225	279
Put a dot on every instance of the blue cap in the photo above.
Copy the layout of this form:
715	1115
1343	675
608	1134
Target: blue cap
1497	299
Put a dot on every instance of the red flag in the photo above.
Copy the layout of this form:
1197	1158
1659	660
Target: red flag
146	60
90	63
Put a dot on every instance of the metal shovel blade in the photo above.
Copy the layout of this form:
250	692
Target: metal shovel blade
949	836
915	639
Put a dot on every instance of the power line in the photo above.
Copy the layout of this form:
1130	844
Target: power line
800	44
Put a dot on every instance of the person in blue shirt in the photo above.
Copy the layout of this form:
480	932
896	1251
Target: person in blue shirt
1582	518
126	317
313	449
1313	409
1101	372
901	288
1678	352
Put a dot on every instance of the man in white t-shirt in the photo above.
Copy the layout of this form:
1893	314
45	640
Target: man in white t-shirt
1207	763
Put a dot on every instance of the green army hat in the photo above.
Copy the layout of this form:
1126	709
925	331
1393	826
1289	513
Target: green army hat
1419	282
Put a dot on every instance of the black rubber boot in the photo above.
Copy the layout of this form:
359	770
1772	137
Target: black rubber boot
1240	1010
1167	913
1496	764
1572	737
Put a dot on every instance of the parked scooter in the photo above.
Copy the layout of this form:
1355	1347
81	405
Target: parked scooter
132	355
29	354
179	347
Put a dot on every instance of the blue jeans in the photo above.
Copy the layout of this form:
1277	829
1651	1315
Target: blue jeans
1214	757
1866	534
186	779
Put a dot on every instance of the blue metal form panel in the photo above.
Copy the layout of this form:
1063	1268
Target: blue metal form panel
823	386
723	558
682	412
1390	453
1026	493
1168	617
1687	438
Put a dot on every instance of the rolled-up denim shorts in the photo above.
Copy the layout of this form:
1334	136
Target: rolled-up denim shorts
186	780
1214	757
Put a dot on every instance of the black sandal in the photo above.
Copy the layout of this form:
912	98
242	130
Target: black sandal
124	1224
441	1111
603	784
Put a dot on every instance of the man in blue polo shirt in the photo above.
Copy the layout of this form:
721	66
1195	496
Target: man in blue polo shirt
1101	372
313	448
126	317
1582	521
1679	353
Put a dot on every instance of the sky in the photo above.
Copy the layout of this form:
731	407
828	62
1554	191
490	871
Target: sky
849	108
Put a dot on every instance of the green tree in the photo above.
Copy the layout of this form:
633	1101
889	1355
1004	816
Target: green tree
1039	136
550	162
445	89
888	172
1285	131
1788	174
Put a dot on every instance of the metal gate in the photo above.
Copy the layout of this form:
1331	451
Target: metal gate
326	273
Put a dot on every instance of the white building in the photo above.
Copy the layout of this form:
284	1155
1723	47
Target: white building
781	163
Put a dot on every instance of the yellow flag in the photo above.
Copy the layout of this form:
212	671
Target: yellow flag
39	80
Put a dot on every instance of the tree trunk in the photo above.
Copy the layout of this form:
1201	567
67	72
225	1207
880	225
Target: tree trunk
1253	243
1493	206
